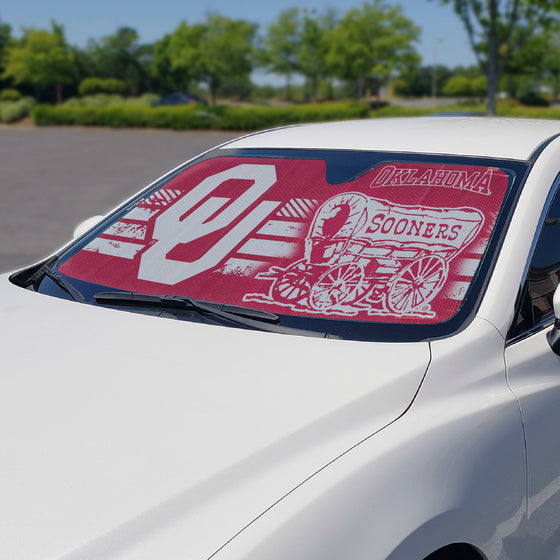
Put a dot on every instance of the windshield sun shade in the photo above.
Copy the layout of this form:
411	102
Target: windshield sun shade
401	242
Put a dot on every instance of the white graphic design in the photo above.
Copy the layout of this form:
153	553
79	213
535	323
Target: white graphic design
208	214
126	230
474	181
120	249
366	254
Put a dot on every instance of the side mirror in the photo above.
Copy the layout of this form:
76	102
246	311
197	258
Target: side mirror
87	224
554	335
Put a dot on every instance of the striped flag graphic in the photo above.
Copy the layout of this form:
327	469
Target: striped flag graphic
300	208
163	197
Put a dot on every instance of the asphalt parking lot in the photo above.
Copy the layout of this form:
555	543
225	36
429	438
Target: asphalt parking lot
53	178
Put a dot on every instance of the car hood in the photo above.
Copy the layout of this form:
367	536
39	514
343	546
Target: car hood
129	436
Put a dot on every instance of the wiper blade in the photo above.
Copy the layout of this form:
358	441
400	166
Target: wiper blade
181	302
61	282
256	319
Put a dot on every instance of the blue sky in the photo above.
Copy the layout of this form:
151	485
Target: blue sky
442	32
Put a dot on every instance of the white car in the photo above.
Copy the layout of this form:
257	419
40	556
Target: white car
322	342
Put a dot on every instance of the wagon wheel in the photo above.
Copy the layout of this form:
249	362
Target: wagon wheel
344	283
417	284
294	283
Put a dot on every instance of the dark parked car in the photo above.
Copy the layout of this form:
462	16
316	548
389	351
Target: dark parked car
178	99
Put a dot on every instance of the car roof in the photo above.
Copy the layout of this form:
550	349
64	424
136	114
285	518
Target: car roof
472	136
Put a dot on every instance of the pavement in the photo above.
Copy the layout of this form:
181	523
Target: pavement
55	177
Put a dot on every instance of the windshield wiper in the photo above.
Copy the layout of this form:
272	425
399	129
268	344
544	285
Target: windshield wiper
61	282
256	319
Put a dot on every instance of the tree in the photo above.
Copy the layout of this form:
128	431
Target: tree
370	43
497	30
550	61
121	56
166	76
462	86
5	41
313	48
179	56
41	58
281	46
418	81
226	51
219	49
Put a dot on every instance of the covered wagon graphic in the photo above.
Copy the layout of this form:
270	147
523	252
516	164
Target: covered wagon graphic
363	253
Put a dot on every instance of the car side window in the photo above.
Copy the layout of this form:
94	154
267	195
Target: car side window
543	277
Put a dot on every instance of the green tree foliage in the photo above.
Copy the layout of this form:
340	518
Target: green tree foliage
370	43
180	53
226	51
462	86
550	62
457	86
313	48
479	86
41	58
281	46
417	81
497	30
219	49
166	76
120	56
538	63
5	41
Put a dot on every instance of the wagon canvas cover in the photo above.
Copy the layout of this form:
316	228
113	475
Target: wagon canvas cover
399	243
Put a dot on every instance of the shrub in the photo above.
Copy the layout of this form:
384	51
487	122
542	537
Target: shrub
10	94
400	87
530	112
457	86
192	117
479	86
91	86
533	99
12	111
395	111
97	100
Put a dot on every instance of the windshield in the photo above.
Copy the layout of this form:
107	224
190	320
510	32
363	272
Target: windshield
322	239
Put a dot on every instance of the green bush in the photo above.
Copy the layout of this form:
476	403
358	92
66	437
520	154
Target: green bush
10	94
97	100
400	87
479	86
533	99
530	112
91	86
192	117
396	111
457	86
12	111
106	100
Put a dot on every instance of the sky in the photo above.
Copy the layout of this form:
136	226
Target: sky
443	39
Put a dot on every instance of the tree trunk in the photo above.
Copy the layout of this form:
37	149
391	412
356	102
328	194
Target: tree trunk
492	60
214	83
315	89
360	82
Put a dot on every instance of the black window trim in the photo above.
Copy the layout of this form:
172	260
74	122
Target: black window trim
547	321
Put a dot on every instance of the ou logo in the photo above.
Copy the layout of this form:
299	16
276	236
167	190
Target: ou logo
170	230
